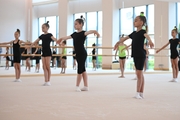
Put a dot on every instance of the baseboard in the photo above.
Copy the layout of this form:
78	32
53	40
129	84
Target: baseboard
164	69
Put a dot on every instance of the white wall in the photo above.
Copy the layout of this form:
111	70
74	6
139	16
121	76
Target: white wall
13	15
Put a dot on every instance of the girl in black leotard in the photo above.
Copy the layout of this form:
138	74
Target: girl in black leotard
46	52
26	52
16	54
174	42
138	52
94	57
7	58
79	38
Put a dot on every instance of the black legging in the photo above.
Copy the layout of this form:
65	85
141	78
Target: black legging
81	59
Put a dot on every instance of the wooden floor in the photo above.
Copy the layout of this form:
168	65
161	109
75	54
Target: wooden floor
109	98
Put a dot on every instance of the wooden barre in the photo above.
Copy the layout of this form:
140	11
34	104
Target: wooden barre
97	47
73	55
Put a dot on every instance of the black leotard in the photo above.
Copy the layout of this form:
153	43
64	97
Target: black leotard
7	57
46	40
16	52
81	54
138	52
93	53
173	48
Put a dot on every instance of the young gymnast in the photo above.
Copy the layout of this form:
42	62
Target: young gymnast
16	54
138	52
37	51
74	59
174	42
7	58
54	58
79	38
122	56
94	57
63	58
26	52
46	51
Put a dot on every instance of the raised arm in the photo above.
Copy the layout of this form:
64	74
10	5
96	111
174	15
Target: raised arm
63	39
162	47
35	42
92	32
149	39
122	39
5	43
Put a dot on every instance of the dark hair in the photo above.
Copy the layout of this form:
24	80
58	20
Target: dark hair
47	24
94	44
18	31
64	42
175	29
81	20
143	18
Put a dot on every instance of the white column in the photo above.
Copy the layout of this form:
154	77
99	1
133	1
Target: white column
66	25
110	30
164	23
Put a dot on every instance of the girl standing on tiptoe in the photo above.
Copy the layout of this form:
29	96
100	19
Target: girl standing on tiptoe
63	58
46	51
174	53
79	38
138	52
16	54
122	57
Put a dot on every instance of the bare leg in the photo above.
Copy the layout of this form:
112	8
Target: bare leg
123	64
16	73
121	68
173	69
85	79
48	60
19	70
140	80
176	67
78	81
45	70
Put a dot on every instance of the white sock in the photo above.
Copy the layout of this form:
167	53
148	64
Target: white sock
84	88
138	96
141	95
175	80
78	89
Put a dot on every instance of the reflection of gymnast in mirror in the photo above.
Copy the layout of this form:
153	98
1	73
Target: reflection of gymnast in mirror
122	57
63	58
7	58
74	59
37	51
54	58
28	64
94	57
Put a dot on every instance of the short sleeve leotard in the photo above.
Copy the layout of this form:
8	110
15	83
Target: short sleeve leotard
81	54
46	40
93	53
173	48
138	52
16	52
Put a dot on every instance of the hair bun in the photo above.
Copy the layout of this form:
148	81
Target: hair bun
18	30
47	22
141	13
81	17
175	27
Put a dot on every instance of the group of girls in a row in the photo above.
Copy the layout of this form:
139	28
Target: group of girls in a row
79	37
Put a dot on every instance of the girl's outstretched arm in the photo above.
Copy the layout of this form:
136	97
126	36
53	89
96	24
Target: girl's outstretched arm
63	39
162	47
92	32
122	39
5	43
